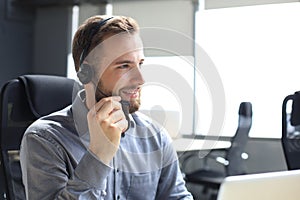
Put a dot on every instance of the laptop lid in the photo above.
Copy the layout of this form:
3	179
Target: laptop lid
281	185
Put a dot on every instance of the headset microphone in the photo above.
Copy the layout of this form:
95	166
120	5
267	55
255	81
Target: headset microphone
125	108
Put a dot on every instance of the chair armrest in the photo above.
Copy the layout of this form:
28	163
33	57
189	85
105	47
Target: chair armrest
224	161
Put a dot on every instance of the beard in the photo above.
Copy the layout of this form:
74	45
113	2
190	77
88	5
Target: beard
134	104
101	92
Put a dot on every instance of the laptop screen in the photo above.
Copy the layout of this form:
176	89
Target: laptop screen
283	185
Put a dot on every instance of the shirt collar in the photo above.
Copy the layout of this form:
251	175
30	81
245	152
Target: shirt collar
80	111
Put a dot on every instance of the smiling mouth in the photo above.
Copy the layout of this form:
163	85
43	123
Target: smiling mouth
131	93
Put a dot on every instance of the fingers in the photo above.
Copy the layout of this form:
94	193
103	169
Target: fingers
109	104
122	125
119	120
109	114
116	116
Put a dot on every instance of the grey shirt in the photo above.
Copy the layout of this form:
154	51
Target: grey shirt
56	162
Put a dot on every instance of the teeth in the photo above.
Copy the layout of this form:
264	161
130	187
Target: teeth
130	92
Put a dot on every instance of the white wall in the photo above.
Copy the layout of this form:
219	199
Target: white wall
211	4
174	15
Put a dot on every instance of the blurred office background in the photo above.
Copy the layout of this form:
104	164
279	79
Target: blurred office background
253	44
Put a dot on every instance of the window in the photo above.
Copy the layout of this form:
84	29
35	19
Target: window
256	52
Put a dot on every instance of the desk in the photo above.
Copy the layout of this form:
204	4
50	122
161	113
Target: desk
192	144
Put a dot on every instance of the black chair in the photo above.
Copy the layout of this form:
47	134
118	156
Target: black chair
22	101
233	161
291	130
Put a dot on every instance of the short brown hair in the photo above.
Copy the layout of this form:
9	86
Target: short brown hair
115	25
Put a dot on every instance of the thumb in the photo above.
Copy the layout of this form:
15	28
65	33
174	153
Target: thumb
90	95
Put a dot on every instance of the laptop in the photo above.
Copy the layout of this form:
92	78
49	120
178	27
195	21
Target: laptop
282	185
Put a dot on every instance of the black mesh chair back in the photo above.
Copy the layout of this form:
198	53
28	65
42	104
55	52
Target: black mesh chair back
239	141
291	130
22	101
233	161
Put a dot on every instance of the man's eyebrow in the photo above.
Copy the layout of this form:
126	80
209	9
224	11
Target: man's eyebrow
126	61
123	61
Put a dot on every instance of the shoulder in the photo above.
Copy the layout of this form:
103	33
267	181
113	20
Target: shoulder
52	124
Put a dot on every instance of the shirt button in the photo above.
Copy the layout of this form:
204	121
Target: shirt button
103	192
118	197
118	170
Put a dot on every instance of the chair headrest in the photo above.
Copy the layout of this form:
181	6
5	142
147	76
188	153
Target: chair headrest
295	114
46	94
245	109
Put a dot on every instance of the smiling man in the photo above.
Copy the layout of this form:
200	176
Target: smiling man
79	152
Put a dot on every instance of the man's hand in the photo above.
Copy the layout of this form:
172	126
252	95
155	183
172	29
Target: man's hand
106	122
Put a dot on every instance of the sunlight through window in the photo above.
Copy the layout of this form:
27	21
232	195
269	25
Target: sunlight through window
256	51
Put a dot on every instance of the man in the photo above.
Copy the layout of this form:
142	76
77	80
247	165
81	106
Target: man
91	150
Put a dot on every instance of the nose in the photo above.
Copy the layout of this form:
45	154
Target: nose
137	76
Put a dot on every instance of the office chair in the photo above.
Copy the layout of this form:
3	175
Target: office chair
233	161
23	100
290	139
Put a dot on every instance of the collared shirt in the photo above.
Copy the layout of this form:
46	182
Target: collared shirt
57	164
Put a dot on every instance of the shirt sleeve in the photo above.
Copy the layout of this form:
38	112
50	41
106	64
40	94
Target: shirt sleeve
47	174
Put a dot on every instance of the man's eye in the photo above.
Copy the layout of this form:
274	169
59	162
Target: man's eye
125	66
141	64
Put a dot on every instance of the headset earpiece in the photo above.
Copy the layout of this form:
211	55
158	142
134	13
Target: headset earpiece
85	73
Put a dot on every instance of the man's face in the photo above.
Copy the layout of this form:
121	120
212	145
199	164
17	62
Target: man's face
120	69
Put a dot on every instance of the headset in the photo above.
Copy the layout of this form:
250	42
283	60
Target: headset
86	72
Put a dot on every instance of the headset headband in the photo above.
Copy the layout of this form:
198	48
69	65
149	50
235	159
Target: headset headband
92	33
